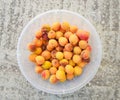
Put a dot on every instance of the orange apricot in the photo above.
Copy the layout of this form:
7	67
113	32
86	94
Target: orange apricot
73	39
38	34
56	26
83	44
46	54
67	34
53	43
61	68
45	74
55	63
38	69
85	54
70	76
53	53
77	71
59	55
67	55
53	79
32	57
40	59
73	29
38	42
76	58
53	70
38	51
77	50
63	62
68	47
65	26
51	34
69	69
59	34
31	47
63	41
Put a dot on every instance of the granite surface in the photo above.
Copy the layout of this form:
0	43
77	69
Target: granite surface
103	14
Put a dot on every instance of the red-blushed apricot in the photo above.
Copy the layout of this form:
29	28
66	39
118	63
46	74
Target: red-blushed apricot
45	28
63	62
82	64
38	69
32	57
73	39
56	26
83	44
45	74
76	58
53	70
38	42
59	55
40	59
38	51
88	48
77	71
67	34
70	76
73	29
46	65
60	74
53	79
55	63
46	54
67	55
71	62
31	47
51	34
82	34
59	34
69	69
85	54
63	41
53	53
77	50
68	47
59	48
38	34
61	68
49	47
53	43
66	26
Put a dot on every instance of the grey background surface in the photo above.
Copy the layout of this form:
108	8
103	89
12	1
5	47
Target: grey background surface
103	14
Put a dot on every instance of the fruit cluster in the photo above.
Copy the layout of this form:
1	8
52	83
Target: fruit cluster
60	51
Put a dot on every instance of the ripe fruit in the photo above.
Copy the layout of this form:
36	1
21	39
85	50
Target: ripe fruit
40	59
53	53
38	42
77	50
70	76
53	43
46	65
69	69
45	74
55	63
61	68
73	39
83	44
38	69
60	74
65	26
77	71
63	62
53	70
67	34
59	34
46	54
59	55
67	55
51	34
68	47
31	47
38	51
56	26
82	64
63	41
76	58
53	79
73	29
85	54
71	62
32	57
82	34
38	34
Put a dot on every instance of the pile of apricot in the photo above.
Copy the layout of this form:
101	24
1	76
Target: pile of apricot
60	51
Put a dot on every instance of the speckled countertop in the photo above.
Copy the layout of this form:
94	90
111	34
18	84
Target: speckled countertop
103	14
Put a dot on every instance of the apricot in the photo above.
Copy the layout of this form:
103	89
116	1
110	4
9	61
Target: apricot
38	69
77	71
56	26
32	57
73	39
45	37
46	54
67	55
67	34
71	62
53	53
61	68
83	44
63	41
55	63
76	58
31	47
82	64
69	69
73	29
53	79
65	26
53	43
70	76
51	34
82	34
62	30
40	59
60	74
59	34
38	34
59	48
49	47
53	70
45	28
85	54
45	74
68	47
38	42
38	51
63	62
77	50
59	55
46	65
88	48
